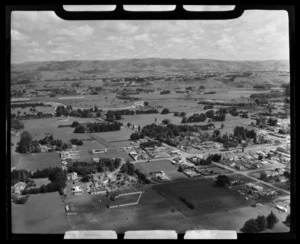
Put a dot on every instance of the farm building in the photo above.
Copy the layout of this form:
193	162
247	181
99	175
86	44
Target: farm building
254	187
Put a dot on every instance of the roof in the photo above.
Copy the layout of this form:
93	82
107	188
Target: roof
20	184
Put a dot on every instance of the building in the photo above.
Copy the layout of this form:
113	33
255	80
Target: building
72	176
77	190
257	188
19	187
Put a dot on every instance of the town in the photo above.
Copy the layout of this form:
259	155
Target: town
150	125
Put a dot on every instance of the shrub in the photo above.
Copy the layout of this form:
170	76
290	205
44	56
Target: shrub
75	124
165	111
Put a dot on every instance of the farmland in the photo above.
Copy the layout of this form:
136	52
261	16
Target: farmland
34	162
206	197
41	214
162	145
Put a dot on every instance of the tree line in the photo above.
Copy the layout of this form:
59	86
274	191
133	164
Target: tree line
98	127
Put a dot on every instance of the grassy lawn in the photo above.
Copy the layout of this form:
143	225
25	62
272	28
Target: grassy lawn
37	161
41	214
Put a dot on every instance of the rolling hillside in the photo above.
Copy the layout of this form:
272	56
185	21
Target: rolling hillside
55	70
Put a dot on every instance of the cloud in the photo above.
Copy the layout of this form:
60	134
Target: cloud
118	27
18	36
80	33
142	37
34	20
58	51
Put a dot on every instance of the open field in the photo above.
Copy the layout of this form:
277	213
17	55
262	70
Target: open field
161	165
36	161
41	181
43	109
31	217
114	153
206	197
156	211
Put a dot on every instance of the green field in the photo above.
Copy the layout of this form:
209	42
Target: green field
41	214
36	161
203	194
161	165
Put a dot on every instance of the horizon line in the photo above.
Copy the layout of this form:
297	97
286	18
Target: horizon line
225	60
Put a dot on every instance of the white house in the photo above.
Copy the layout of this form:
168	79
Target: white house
72	176
19	187
76	190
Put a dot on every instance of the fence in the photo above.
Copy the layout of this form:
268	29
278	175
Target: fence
127	204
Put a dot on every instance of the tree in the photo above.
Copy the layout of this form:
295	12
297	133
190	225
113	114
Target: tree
166	121
261	222
165	111
146	104
263	176
222	126
288	219
272	121
182	114
79	129
250	226
85	178
64	146
222	180
128	124
271	220
17	124
25	142
217	132
180	168
131	169
135	136
184	120
75	124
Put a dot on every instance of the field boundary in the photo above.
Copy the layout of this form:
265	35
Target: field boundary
127	204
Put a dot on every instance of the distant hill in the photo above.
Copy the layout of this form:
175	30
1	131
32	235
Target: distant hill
55	70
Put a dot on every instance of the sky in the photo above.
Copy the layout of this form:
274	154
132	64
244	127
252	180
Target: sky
42	36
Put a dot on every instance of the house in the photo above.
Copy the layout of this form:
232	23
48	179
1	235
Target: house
76	190
99	151
96	160
72	176
19	187
160	149
257	188
283	209
64	162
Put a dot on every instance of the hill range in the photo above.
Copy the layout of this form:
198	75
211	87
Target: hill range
55	70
